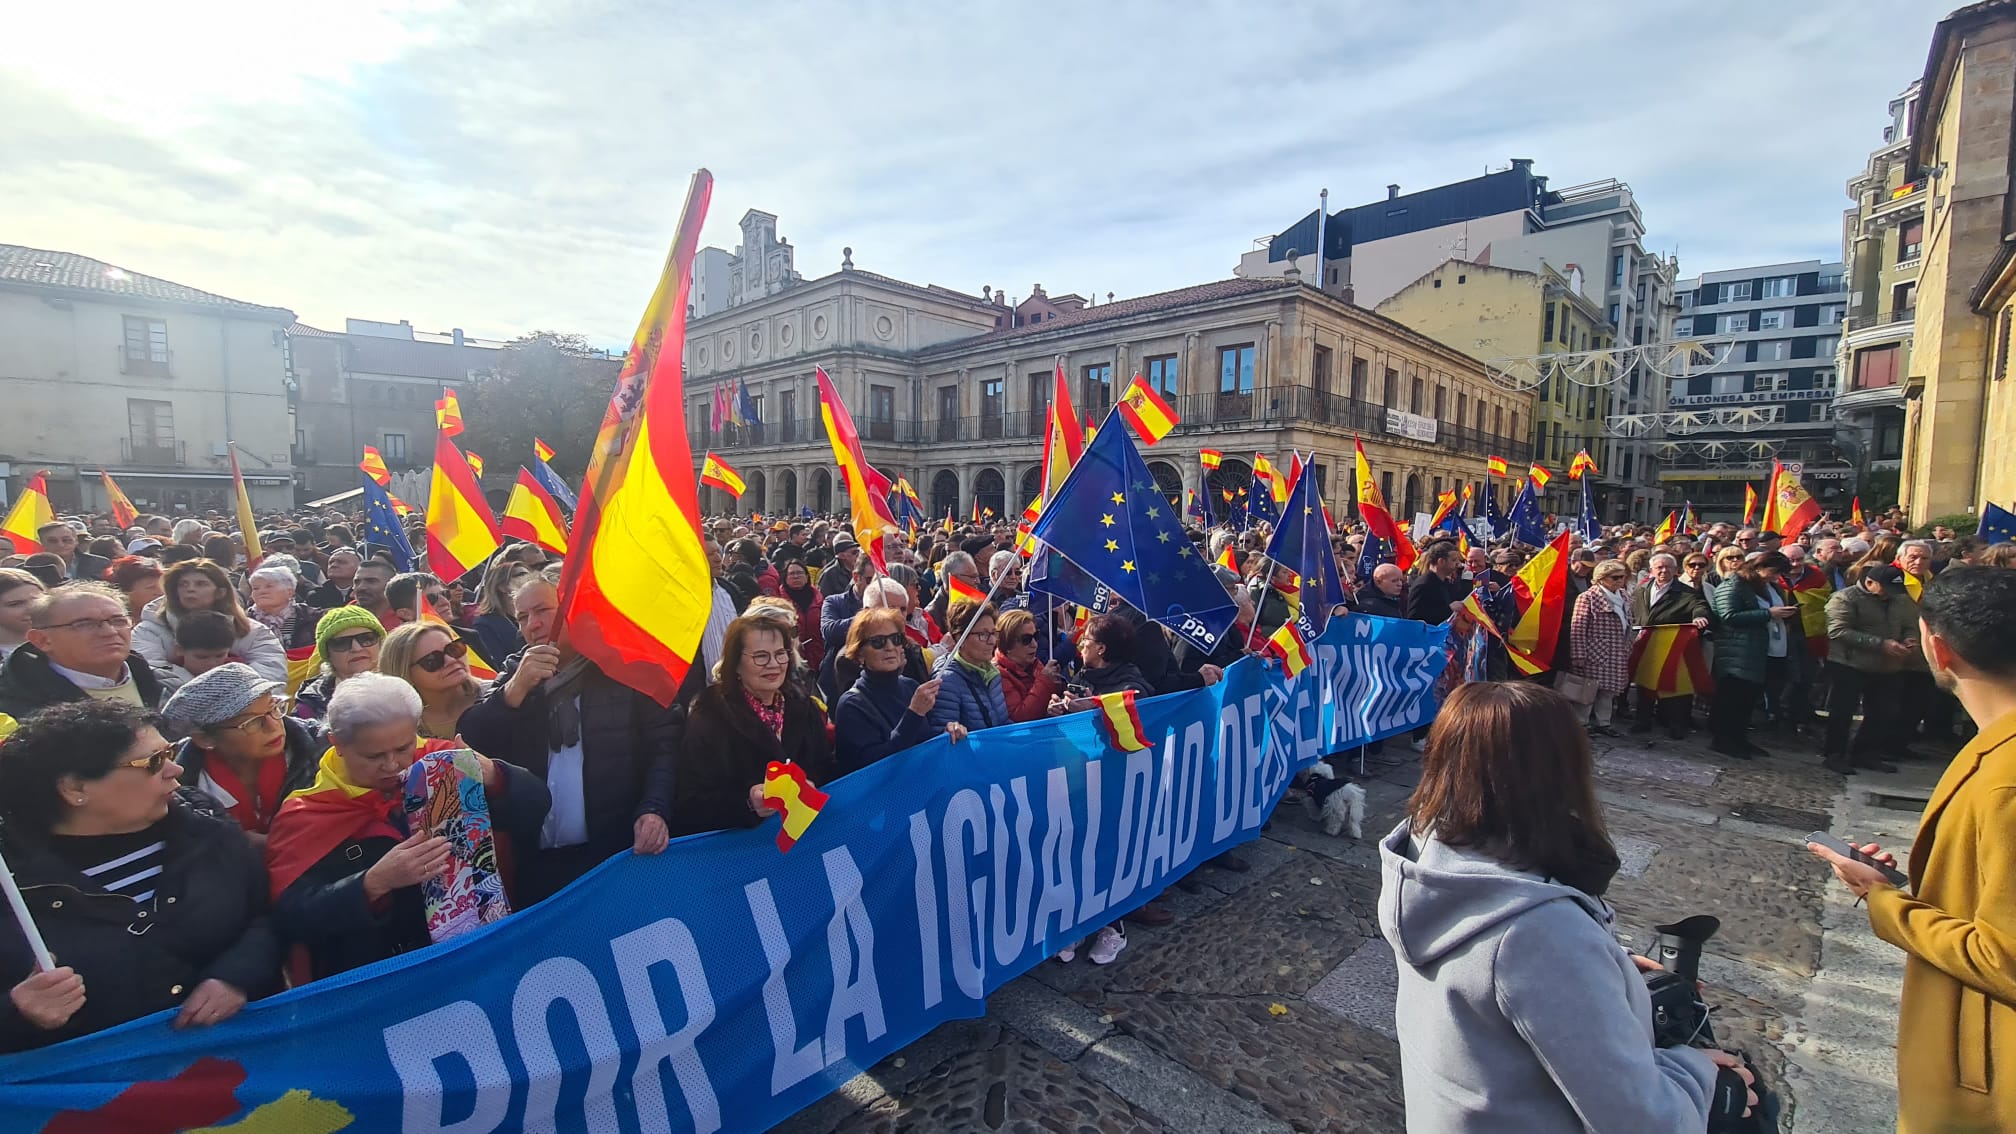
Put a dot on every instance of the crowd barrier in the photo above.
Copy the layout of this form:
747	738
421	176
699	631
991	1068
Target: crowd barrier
723	984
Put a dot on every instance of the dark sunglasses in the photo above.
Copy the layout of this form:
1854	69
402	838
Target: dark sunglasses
434	662
154	761
1019	640
883	641
348	642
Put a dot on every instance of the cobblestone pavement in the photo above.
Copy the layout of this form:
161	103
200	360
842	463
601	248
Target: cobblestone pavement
1268	1005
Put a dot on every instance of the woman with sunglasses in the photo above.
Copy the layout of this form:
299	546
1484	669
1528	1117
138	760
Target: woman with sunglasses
1027	682
971	693
146	902
346	644
752	715
883	712
1694	572
243	751
429	657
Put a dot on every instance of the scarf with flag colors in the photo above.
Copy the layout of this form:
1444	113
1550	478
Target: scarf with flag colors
635	602
1667	661
248	525
1539	598
1144	410
373	465
25	520
1210	458
715	471
1495	466
461	529
1749	503
1379	523
1789	507
786	788
1121	722
448	413
868	512
323	816
533	516
123	512
542	450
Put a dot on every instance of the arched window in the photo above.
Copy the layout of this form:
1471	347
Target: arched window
945	494
992	492
822	490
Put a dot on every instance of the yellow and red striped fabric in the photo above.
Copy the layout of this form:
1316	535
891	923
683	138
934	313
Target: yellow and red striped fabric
1667	661
1143	409
461	529
1122	721
867	511
533	515
1291	647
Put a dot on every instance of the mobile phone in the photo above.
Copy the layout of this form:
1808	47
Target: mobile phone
1077	691
1897	877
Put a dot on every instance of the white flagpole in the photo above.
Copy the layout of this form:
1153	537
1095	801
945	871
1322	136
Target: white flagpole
15	902
983	602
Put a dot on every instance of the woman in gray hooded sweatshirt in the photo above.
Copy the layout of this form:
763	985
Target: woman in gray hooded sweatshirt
1518	1009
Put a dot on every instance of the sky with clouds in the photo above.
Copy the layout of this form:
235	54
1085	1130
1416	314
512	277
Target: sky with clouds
514	165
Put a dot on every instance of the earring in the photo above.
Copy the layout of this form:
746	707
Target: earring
78	802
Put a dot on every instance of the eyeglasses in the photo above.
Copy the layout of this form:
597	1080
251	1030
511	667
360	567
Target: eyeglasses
984	635
359	641
881	641
262	722
436	661
91	625
768	658
153	762
437	598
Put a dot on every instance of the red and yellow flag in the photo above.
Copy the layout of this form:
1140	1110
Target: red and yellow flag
959	589
1294	473
1854	512
1064	438
373	465
1667	527
1540	595
1790	507
1121	721
786	788
123	512
461	529
1291	647
1229	559
1495	465
533	515
1582	463
1378	521
635	588
448	413
1444	504
868	511
1667	661
1540	476
475	462
23	526
1210	458
248	526
1143	409
1749	503
715	471
542	450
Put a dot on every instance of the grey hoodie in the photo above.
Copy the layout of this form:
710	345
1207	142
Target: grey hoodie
1518	1010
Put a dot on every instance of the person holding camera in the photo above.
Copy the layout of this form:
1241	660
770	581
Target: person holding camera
1517	1008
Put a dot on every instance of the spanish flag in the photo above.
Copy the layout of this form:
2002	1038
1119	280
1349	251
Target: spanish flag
1229	559
961	590
1854	510
1667	527
542	450
1540	595
715	471
461	529
1122	721
247	525
1378	521
786	788
1444	504
635	588
475	462
1294	472
448	413
1143	409
1210	458
1666	661
1495	465
533	515
1749	503
123	512
1582	463
1063	438
1539	476
1790	507
23	526
373	465
868	512
1291	647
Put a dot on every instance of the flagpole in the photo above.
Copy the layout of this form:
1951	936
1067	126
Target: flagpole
983	603
22	918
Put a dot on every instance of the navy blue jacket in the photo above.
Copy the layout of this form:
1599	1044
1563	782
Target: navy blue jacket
873	720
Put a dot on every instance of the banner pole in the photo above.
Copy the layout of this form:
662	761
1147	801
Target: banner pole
22	918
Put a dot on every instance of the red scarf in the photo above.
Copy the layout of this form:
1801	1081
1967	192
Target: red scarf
325	815
255	807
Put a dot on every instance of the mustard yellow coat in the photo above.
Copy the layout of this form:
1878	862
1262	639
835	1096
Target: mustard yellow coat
1959	926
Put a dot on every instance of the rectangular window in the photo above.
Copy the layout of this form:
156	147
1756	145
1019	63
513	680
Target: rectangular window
1683	326
146	350
948	413
393	446
1097	385
1777	350
1358	379
1414	397
150	424
882	413
1778	287
1830	284
1617	270
1392	399
1831	313
1161	373
990	407
2002	345
1319	370
1826	345
1824	379
1547	328
1727	384
1909	240
1876	367
1773	320
1441	401
1736	324
1235	369
1735	292
1462	407
1770	382
1616	313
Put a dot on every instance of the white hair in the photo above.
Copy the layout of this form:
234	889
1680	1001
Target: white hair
885	592
954	562
1667	557
271	572
1924	545
998	566
184	529
367	700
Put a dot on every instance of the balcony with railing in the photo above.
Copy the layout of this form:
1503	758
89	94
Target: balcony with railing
147	366
153	452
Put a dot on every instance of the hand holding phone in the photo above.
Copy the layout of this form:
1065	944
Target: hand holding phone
1893	875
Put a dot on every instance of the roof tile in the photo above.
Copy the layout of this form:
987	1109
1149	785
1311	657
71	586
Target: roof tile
40	267
1122	309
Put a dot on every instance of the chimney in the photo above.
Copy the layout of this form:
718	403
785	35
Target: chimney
1392	192
1523	163
456	333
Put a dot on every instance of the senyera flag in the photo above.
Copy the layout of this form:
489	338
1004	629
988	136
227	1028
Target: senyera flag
247	525
1144	410
635	590
868	510
30	513
716	472
461	529
533	515
123	512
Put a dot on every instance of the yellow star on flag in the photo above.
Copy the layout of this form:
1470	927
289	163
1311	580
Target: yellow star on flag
1127	565
1107	519
1112	545
1119	498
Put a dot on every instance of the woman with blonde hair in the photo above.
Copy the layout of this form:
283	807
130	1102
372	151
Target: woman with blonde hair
429	657
1601	640
200	584
1881	553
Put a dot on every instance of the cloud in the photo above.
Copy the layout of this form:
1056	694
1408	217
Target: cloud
510	166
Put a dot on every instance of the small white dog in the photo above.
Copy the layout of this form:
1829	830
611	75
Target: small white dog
1343	805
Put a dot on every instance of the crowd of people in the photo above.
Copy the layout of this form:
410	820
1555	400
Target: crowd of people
198	817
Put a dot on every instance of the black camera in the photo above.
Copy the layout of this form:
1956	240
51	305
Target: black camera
1680	1019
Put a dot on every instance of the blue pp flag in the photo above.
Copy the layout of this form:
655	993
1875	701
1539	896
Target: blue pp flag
1302	544
551	482
1998	525
381	525
1111	520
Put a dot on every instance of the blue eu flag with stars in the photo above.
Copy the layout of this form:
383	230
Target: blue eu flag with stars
381	526
1302	544
1110	520
551	482
1997	524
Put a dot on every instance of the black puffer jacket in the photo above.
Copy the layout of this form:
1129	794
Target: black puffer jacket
29	682
726	749
207	920
306	742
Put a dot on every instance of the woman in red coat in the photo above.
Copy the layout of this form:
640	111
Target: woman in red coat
1601	636
1026	683
805	597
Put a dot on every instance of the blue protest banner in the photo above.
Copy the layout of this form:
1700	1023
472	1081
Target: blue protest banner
723	985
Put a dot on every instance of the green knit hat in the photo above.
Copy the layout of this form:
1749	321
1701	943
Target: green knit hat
344	618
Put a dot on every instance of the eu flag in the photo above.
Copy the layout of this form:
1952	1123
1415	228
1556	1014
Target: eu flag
1525	518
551	482
1587	524
1260	502
1111	521
1997	524
1301	543
1499	525
381	526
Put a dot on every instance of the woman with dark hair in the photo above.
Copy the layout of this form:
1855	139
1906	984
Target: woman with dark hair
1751	642
1106	663
1517	1009
883	712
221	550
18	592
139	579
970	685
797	587
200	584
749	718
146	902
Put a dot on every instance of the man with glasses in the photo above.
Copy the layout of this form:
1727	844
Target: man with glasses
60	539
243	751
80	646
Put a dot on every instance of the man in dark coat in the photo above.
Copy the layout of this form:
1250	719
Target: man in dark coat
80	645
1663	600
1387	594
1439	587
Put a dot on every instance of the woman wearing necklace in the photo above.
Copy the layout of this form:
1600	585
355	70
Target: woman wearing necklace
429	657
751	716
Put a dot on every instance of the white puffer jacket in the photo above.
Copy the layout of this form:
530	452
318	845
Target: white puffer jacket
154	639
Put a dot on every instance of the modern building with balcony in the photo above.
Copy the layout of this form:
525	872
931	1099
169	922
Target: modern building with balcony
1508	219
951	389
1882	241
102	367
1765	390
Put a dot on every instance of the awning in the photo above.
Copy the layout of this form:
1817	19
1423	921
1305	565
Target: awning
336	499
250	478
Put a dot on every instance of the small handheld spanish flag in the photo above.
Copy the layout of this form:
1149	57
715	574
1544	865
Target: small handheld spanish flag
542	450
1539	475
786	789
1495	465
1122	722
373	465
1582	463
1289	644
475	462
1143	409
448	413
1210	458
1229	559
959	588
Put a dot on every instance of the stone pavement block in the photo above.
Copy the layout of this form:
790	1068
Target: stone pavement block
1262	854
1184	1103
1641	763
1364	988
1008	1086
1634	855
895	1074
1047	1018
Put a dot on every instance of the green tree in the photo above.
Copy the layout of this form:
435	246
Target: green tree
547	385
